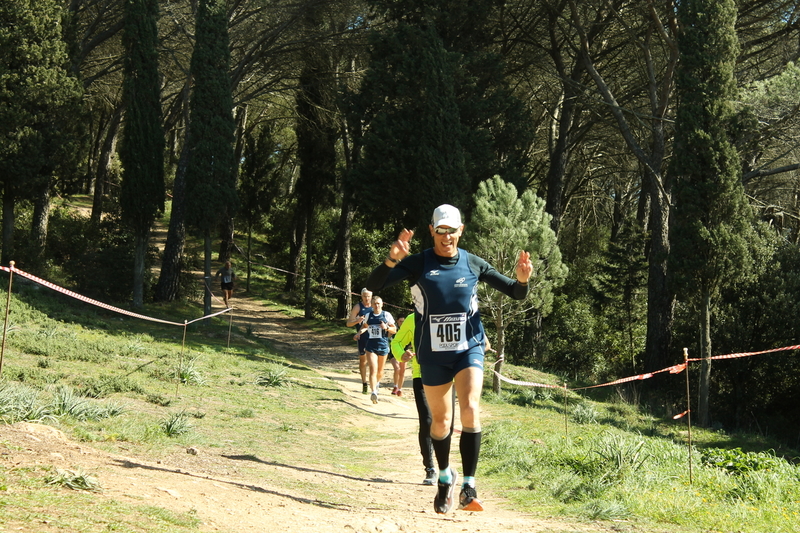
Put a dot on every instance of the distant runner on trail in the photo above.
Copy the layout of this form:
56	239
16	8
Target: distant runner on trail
449	337
378	327
228	277
357	316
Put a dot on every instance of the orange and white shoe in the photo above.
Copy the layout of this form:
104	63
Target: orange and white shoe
468	499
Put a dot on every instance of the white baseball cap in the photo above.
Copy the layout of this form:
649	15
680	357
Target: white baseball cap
446	215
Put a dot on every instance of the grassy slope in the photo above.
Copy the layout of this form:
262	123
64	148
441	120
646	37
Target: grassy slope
601	461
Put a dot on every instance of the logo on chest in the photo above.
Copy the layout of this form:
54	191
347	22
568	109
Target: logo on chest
460	283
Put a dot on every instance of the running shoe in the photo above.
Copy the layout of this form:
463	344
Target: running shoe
468	499
374	397
394	390
399	392
365	388
431	477
444	495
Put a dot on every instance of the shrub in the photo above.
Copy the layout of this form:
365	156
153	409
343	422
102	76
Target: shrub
67	403
106	385
20	403
735	461
584	413
93	257
176	424
274	376
188	373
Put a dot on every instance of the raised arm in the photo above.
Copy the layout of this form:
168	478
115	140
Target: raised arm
400	248
385	274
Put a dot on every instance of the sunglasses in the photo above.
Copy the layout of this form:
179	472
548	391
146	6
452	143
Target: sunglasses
445	231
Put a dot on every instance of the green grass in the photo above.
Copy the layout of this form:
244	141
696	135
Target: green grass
124	384
598	464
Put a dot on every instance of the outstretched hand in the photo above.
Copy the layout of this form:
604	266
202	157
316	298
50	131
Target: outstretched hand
524	267
401	247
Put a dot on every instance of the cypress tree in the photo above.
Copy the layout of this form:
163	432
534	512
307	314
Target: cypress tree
414	141
439	115
142	147
711	217
210	184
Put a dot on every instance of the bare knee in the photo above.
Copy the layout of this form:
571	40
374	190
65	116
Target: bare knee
440	428
470	415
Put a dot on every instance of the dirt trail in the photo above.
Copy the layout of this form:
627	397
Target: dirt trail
226	500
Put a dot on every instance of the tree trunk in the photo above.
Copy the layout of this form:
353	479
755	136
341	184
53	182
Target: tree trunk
207	274
104	164
344	275
227	233
139	254
500	348
498	367
41	218
352	155
169	281
559	155
704	419
226	245
8	223
309	255
531	337
249	255
295	250
660	300
93	154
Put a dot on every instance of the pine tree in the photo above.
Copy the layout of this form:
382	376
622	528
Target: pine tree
142	147
316	131
502	225
711	217
210	184
621	282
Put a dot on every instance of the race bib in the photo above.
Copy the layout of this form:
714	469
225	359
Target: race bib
375	331
226	279
449	332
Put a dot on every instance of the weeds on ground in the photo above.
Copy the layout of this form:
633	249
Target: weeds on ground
274	376
176	424
75	480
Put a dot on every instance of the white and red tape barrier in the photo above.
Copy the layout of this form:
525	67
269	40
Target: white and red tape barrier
674	369
80	297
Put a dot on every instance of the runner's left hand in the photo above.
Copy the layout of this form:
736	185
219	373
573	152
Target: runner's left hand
524	267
